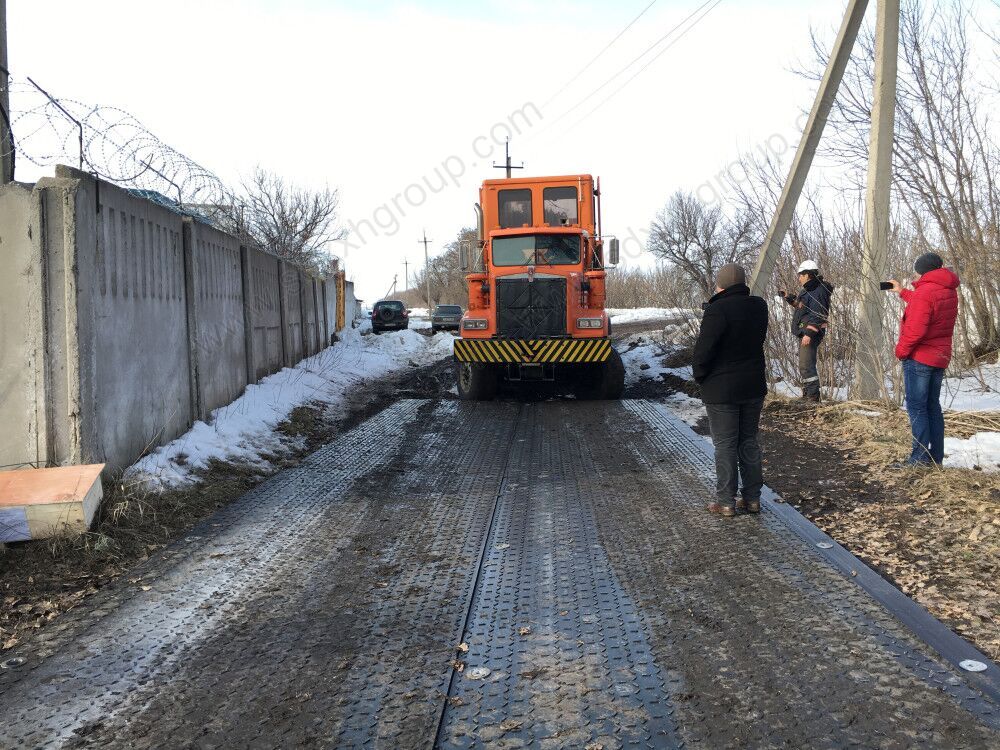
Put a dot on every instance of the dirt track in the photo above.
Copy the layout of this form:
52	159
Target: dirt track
355	599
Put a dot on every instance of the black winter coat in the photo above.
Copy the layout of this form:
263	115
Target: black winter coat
729	353
815	306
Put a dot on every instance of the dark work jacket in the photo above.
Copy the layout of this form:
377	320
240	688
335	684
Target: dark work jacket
815	309
729	353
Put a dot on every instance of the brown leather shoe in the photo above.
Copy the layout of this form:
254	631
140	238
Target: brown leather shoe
727	511
741	505
753	506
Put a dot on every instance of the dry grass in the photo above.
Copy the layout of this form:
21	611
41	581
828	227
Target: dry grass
938	536
40	580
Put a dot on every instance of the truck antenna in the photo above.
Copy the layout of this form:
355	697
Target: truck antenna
508	166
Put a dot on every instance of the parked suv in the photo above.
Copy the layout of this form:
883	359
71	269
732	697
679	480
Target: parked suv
390	315
446	317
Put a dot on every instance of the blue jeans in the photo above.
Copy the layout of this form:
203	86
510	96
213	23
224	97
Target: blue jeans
923	403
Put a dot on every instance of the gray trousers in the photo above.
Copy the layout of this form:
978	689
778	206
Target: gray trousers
807	366
737	451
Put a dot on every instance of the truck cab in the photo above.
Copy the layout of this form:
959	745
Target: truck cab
536	283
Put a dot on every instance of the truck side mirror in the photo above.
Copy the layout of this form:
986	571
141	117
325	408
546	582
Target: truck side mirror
614	249
463	255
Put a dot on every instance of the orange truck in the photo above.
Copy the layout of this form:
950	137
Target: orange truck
536	280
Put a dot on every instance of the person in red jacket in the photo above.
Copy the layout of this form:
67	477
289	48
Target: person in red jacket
924	347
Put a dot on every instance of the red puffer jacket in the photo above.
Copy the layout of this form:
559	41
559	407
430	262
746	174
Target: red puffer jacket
929	319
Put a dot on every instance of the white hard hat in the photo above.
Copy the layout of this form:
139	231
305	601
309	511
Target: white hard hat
808	265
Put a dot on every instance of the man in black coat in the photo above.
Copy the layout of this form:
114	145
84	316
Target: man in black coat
729	366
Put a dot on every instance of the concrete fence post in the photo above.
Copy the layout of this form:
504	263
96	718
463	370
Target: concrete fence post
58	209
246	278
301	278
287	344
190	291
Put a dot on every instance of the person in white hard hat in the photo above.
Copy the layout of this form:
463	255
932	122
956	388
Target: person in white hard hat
810	323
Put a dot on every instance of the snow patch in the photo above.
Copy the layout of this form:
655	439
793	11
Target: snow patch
982	450
643	314
245	429
978	390
644	362
690	410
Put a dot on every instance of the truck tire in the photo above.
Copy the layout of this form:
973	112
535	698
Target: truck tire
614	377
476	382
603	381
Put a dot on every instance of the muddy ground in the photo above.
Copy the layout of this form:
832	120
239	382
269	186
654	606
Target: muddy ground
938	547
38	581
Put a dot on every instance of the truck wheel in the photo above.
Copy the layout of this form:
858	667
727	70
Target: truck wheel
588	382
603	381
614	376
476	382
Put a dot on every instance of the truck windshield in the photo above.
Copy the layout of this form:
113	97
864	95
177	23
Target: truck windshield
537	249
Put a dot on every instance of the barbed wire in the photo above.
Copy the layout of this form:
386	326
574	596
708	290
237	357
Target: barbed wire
108	142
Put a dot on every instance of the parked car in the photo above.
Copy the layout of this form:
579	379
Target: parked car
389	315
446	318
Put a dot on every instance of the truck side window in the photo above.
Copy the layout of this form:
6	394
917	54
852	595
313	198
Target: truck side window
514	208
560	206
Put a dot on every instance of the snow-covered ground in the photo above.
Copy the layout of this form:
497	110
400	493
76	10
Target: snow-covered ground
419	319
644	314
982	450
645	362
245	429
978	390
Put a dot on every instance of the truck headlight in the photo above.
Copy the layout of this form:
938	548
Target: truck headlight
474	324
589	323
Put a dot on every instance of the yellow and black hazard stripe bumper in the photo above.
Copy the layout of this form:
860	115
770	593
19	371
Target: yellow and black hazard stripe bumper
541	351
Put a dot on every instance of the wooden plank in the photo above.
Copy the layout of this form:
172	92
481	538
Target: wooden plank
39	503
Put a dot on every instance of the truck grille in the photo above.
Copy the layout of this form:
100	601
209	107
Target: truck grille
531	309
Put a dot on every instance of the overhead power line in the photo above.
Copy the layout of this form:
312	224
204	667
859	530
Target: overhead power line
596	57
639	57
715	4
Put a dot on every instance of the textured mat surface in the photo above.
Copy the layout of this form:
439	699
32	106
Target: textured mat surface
504	575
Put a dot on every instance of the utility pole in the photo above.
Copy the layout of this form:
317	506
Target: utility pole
6	138
871	363
507	165
811	136
427	268
406	272
870	367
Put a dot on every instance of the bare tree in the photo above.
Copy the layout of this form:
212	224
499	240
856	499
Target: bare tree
697	239
947	160
294	223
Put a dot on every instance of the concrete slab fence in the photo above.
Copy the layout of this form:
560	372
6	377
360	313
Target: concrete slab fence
122	321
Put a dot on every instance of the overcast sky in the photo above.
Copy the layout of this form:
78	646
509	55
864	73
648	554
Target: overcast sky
403	106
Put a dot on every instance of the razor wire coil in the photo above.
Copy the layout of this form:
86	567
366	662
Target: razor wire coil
108	142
